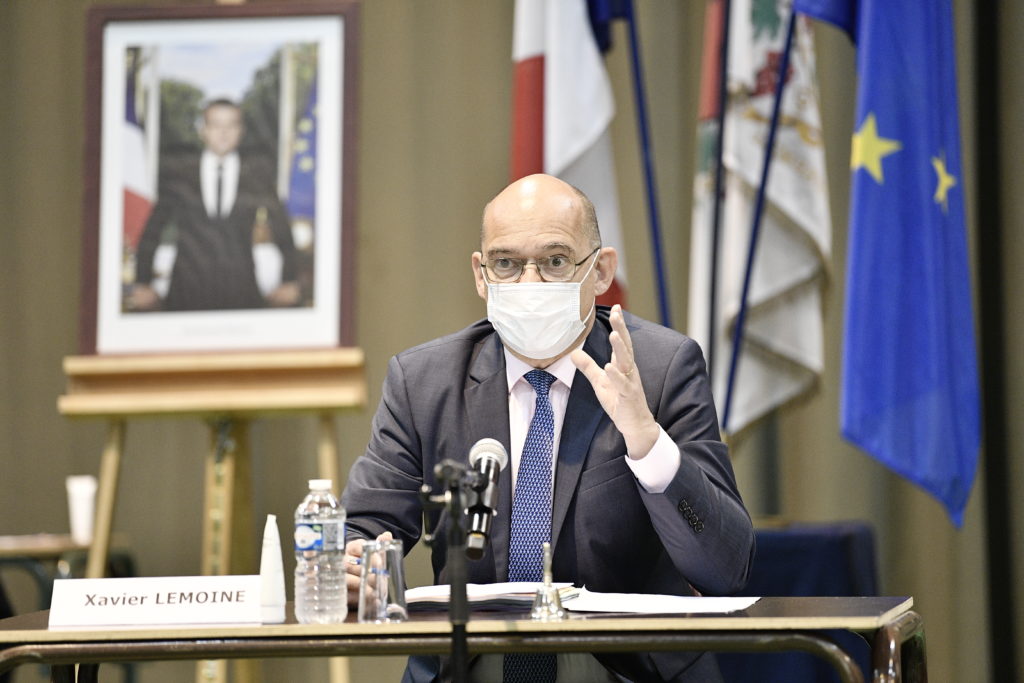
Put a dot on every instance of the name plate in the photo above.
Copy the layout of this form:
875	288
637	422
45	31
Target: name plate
155	601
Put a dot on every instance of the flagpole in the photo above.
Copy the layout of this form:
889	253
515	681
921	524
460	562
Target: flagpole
755	228
716	218
645	149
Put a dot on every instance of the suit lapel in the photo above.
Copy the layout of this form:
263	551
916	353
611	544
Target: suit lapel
486	400
582	416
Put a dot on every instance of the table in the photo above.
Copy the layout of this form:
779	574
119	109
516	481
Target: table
35	553
771	624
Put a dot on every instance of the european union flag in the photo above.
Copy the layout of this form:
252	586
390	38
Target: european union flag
910	392
302	185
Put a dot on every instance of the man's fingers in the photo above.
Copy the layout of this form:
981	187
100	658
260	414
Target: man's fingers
615	373
622	345
353	560
354	567
354	548
619	325
352	587
585	364
621	355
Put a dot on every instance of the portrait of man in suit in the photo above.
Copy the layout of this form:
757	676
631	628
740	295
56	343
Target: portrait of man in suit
216	206
609	422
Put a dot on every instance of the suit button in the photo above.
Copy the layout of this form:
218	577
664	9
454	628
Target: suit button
698	527
683	506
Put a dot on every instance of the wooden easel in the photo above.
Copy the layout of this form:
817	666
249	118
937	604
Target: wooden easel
226	390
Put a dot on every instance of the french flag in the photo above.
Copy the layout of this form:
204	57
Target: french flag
562	109
138	187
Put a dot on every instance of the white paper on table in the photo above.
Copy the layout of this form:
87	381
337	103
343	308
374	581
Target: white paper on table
478	590
644	603
521	591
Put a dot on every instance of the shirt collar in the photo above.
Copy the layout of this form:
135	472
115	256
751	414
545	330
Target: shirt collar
563	369
211	159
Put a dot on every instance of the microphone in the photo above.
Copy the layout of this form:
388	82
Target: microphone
487	458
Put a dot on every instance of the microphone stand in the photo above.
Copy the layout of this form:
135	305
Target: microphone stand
456	481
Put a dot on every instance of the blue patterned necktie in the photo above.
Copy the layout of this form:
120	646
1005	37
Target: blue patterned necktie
531	521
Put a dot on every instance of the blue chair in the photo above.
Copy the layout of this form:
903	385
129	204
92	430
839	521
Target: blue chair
824	559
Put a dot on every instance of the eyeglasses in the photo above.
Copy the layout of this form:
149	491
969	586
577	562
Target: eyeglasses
556	268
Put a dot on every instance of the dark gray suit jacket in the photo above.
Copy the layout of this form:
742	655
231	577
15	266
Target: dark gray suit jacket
608	533
214	268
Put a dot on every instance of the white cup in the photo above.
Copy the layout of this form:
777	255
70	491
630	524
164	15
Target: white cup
81	507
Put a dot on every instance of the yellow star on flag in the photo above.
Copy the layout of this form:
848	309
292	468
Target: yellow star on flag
945	182
868	149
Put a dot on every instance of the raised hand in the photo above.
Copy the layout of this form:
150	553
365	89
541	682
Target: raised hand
619	389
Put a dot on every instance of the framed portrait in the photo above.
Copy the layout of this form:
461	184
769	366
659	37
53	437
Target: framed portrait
220	162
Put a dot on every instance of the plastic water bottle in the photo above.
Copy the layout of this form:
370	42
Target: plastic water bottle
320	593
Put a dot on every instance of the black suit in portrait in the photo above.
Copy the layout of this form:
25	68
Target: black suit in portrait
214	268
608	533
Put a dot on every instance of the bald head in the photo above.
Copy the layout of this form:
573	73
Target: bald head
541	198
541	219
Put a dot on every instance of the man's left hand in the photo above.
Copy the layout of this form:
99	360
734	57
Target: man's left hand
618	388
354	569
286	294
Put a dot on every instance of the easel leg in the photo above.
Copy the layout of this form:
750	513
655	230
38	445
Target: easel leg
227	518
327	450
339	669
110	472
327	463
227	524
212	671
242	536
242	540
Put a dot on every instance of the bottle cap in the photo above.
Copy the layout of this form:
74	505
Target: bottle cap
319	484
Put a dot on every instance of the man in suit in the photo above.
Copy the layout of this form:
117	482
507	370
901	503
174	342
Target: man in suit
643	497
219	204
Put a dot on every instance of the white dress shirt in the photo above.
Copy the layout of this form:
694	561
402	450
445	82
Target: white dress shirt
208	164
654	472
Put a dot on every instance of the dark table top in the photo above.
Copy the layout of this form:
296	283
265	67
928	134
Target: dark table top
767	614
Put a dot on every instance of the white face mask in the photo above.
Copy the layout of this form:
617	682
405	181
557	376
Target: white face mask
537	320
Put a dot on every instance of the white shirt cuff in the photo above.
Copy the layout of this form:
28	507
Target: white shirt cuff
656	470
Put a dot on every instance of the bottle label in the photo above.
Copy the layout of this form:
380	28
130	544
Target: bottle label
319	536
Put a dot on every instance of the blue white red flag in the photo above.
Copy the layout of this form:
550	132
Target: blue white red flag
139	191
562	112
